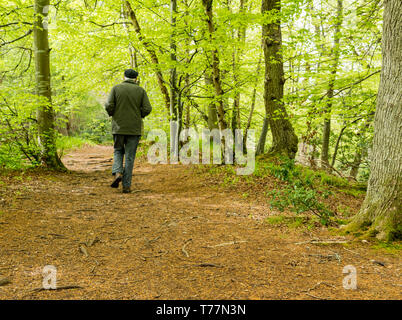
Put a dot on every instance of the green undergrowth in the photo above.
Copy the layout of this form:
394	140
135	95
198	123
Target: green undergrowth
295	188
389	247
293	221
66	143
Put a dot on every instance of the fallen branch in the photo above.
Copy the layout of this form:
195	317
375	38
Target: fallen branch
136	191
57	235
56	289
183	249
309	294
160	254
207	265
128	238
328	256
4	281
318	241
378	262
225	244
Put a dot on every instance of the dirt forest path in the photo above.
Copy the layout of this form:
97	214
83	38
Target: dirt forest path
175	237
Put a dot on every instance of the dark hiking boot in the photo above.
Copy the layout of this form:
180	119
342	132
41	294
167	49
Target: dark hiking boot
126	189
117	179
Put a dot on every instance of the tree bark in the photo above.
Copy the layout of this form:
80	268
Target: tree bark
356	164
152	54
330	93
284	139
253	98
237	55
212	112
216	74
263	137
338	141
382	207
174	107
45	112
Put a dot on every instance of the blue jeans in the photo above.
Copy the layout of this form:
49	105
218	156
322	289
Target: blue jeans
124	145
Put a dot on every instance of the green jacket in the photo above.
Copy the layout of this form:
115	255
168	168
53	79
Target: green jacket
127	104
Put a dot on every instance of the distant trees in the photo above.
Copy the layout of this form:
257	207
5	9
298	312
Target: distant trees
315	76
331	86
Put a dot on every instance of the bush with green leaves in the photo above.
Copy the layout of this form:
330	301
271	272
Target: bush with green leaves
18	129
98	130
299	195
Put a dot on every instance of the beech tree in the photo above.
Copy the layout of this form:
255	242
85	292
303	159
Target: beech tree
45	113
382	207
284	139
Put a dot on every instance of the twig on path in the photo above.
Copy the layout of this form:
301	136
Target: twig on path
57	235
355	253
84	251
160	254
125	238
226	244
382	264
393	284
371	260
128	238
153	240
54	289
319	283
92	241
207	265
149	242
328	256
4	281
319	241
94	267
183	249
143	258
309	294
135	191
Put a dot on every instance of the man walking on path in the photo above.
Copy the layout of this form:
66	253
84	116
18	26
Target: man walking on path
127	104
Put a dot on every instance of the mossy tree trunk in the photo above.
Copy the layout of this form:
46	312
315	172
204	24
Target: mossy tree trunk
382	207
284	139
45	112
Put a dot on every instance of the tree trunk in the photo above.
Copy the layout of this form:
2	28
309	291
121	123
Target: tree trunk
216	74
284	140
152	54
45	112
338	141
175	119
253	98
356	164
212	112
212	117
382	207
330	93
263	137
236	59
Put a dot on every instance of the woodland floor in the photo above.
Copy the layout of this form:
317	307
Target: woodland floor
176	237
